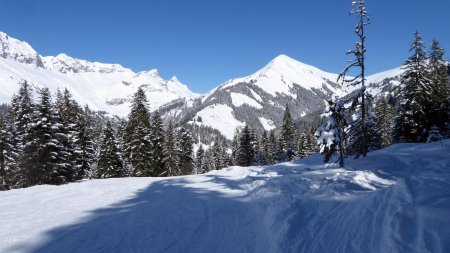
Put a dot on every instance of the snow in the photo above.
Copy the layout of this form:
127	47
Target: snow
256	96
104	87
267	123
220	117
376	78
279	76
110	92
395	200
239	99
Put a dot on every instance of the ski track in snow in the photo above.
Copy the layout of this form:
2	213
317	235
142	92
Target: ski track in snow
395	200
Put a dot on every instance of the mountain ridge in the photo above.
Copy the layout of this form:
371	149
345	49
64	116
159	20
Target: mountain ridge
258	99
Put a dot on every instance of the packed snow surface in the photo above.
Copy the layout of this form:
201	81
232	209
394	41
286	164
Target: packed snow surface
395	200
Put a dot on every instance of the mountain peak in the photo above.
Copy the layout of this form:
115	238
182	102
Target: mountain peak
14	49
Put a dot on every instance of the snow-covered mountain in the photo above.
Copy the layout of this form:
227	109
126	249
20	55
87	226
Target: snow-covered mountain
259	98
105	87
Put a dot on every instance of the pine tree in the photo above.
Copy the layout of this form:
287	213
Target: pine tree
199	156
70	114
439	86
266	149
245	153
272	148
185	144
208	162
410	123
14	176
358	132
219	154
4	185
385	113
24	111
170	154
110	162
157	137
288	134
138	147
355	138
305	144
331	134
42	155
235	147
85	145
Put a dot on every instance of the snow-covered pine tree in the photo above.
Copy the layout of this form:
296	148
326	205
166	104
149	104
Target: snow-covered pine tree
235	147
217	153
410	123
273	147
185	145
110	163
138	146
445	110
355	140
385	114
171	159
305	144
40	159
288	135
70	114
331	134
157	137
258	157
22	111
358	127
245	153
199	159
85	145
15	176
265	149
4	184
439	86
208	162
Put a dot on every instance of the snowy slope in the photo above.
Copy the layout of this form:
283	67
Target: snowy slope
282	73
106	87
261	97
395	200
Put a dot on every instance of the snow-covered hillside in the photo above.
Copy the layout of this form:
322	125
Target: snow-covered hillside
106	87
395	200
260	98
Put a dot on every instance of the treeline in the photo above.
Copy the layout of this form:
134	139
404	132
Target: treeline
55	141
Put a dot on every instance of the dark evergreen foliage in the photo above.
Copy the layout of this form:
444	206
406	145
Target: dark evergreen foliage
411	120
245	152
110	163
171	154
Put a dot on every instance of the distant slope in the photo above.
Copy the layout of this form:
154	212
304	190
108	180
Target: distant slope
394	200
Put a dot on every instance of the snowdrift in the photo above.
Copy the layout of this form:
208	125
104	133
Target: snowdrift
395	200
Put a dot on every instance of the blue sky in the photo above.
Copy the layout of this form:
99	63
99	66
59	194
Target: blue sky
206	42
